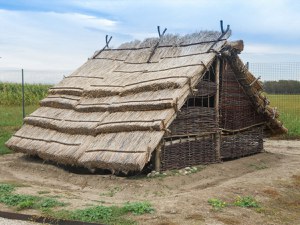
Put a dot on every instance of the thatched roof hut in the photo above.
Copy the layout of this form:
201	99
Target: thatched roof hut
176	100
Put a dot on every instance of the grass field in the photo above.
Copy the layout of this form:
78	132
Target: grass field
11	120
289	110
11	110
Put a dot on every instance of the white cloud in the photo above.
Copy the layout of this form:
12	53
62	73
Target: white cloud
63	39
49	40
85	20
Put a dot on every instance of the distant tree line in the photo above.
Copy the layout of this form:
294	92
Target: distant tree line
282	87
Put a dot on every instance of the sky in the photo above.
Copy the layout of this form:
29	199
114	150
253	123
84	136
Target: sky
60	35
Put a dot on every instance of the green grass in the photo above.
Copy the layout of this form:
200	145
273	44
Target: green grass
50	208
289	109
11	93
105	214
10	121
138	208
21	201
11	107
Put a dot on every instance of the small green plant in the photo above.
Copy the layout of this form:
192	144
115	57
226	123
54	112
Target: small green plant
138	208
48	203
105	214
26	204
92	214
217	204
246	201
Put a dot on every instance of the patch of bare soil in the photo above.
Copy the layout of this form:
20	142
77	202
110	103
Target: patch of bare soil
272	177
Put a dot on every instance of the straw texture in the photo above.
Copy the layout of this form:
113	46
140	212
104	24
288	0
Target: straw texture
114	110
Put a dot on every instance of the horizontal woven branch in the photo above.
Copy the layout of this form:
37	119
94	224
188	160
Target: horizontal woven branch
165	46
130	121
39	139
112	150
141	82
243	129
68	120
57	88
64	97
112	59
159	70
91	77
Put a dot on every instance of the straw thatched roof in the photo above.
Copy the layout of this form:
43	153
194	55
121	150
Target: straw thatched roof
113	111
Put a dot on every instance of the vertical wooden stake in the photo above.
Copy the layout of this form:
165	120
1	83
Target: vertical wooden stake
157	158
217	110
23	95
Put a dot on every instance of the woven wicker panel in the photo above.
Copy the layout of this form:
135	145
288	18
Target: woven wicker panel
194	120
205	88
242	144
189	153
236	108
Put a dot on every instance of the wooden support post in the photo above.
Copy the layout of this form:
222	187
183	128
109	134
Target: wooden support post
217	110
23	96
157	158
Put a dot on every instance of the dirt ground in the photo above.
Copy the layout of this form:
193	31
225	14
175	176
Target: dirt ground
272	177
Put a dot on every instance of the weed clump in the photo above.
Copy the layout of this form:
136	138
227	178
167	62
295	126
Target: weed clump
138	208
246	202
217	204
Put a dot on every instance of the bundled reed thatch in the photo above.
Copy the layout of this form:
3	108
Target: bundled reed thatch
114	110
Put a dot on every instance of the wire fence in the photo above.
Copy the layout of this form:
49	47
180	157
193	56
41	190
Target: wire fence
276	71
267	72
282	87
